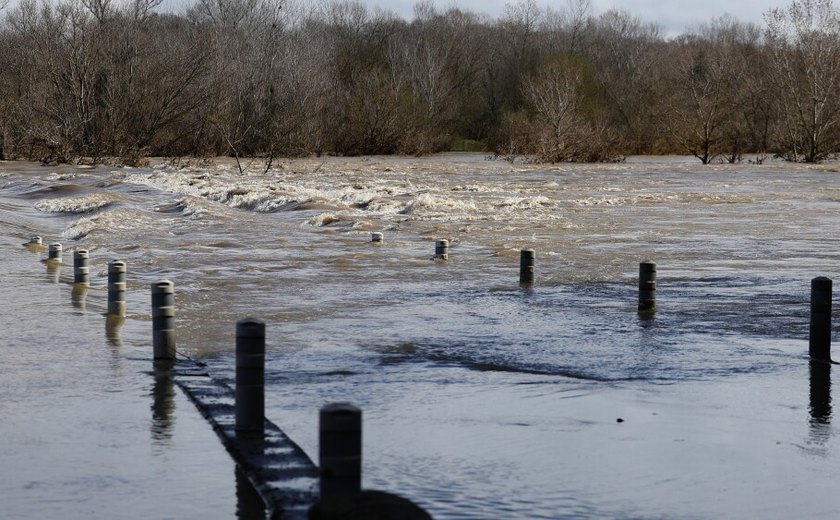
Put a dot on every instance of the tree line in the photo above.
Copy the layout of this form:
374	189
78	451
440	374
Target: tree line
103	79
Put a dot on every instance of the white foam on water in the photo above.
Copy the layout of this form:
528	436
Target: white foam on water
82	204
324	219
122	221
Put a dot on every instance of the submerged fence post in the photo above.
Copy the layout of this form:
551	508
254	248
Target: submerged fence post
819	340
647	286
250	375
442	249
81	269
54	254
117	270
340	449
81	277
54	263
163	320
527	260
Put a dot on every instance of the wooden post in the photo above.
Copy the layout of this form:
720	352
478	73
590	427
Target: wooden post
527	260
81	269
250	375
117	270
163	320
340	450
54	254
647	286
442	249
819	341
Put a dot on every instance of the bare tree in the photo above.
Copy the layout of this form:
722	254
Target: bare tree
803	41
565	29
701	105
563	95
434	66
736	46
255	79
99	9
553	92
627	57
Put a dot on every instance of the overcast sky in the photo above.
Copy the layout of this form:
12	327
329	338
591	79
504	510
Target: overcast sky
675	17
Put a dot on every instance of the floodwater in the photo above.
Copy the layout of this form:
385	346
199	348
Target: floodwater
481	398
87	430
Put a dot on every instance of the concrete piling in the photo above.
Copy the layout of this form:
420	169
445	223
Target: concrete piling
36	241
442	249
163	320
81	268
250	376
527	261
376	237
647	286
54	254
117	270
819	341
340	450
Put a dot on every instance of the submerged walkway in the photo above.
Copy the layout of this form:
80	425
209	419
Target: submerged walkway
88	429
282	473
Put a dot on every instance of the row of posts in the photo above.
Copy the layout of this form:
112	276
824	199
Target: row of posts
117	272
527	270
340	424
819	337
163	295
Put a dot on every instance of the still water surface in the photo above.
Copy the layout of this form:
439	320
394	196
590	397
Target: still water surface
483	399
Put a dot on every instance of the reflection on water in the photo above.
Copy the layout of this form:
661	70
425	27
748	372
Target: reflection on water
819	403
819	408
53	271
249	505
113	324
78	295
76	428
163	406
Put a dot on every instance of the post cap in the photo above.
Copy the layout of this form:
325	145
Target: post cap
250	327
163	286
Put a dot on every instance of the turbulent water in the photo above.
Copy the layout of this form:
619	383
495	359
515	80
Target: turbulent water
484	399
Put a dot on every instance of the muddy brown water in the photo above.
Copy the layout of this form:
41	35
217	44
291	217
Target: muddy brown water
483	399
